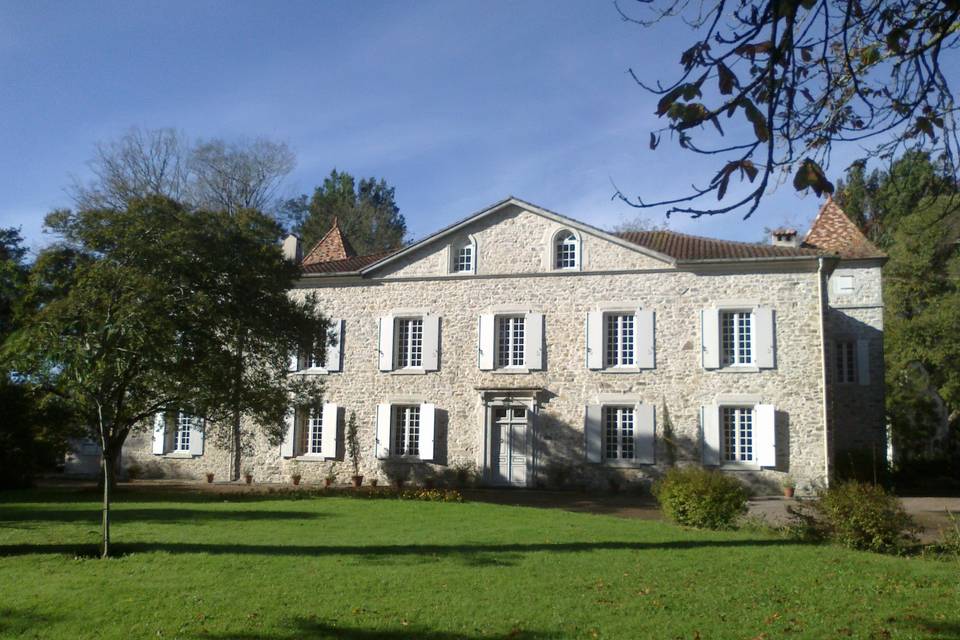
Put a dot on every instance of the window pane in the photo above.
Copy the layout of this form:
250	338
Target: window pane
464	259
735	337
315	430
182	437
737	436
409	342
510	335
618	433
566	251
406	429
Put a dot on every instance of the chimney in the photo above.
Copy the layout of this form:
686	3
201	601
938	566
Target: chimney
784	238
292	249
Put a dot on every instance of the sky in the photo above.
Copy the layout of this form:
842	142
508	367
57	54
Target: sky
456	104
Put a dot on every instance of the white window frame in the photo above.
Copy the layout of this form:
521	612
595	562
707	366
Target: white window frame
617	361
512	342
181	437
454	252
740	442
313	426
619	412
845	363
559	237
409	351
401	427
736	337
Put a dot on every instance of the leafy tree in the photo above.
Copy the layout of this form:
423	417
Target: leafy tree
366	210
211	174
13	275
137	310
791	78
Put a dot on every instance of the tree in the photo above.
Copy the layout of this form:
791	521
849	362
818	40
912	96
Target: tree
210	174
13	275
366	210
640	223
132	313
799	76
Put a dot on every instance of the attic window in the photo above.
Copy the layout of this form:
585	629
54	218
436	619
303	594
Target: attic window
464	262
566	251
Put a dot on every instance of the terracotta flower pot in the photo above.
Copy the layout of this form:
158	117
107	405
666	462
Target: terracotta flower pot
329	481
358	480
374	482
249	478
209	478
788	492
296	480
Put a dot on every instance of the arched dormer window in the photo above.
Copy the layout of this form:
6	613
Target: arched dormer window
463	256
566	250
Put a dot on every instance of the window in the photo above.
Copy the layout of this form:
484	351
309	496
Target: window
464	259
618	437
311	434
566	248
846	352
181	440
406	430
736	339
620	338
510	336
737	434
409	342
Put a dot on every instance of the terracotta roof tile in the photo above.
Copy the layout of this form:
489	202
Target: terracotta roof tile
346	265
833	232
681	246
333	246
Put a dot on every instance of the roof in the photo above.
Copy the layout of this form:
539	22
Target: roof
332	247
833	232
681	246
346	265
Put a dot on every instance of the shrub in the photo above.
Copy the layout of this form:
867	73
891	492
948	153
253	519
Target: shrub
698	497
864	516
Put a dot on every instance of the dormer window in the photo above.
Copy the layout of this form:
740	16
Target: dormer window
566	250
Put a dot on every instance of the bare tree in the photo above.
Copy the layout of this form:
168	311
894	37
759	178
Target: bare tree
238	175
140	163
801	75
211	174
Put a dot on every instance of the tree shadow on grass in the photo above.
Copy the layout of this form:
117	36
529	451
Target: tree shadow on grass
20	517
471	554
15	622
316	630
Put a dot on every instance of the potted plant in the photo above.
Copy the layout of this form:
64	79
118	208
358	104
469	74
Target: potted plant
789	486
353	449
296	479
209	477
329	479
248	476
373	482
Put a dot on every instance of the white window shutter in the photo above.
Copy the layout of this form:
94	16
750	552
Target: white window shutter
383	431
431	342
593	431
289	437
294	364
485	342
533	341
159	433
197	429
764	338
644	433
644	339
710	423
764	435
710	338
863	362
330	429
428	419
335	346
386	343
595	340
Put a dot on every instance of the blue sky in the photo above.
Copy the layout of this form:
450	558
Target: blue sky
457	104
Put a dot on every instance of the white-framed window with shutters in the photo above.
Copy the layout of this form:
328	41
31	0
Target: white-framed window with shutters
566	250
185	425
313	432
409	342
405	430
178	433
511	334
620	430
738	337
620	338
845	361
738	432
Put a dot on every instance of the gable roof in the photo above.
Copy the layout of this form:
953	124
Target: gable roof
512	201
833	232
683	247
332	247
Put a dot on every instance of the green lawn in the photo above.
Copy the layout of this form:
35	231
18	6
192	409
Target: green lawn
197	565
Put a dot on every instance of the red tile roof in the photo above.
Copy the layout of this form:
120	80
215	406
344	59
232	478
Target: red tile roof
333	246
681	246
347	265
833	232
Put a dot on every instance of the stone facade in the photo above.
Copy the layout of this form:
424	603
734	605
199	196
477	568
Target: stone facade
513	254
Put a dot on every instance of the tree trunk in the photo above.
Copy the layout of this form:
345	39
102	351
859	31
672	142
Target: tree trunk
237	458
109	480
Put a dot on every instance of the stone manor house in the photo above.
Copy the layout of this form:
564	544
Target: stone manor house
540	350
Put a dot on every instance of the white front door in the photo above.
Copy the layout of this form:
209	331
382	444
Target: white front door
510	445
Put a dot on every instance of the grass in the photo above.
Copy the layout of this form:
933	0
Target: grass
209	566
